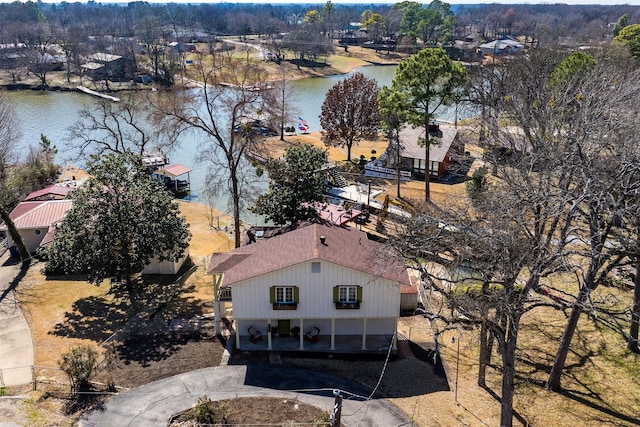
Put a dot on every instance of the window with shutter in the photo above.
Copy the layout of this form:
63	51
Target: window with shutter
347	297
284	297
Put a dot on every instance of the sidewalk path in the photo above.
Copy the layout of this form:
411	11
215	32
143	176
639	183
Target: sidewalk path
16	347
155	403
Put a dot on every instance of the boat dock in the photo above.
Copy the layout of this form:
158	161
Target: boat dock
98	94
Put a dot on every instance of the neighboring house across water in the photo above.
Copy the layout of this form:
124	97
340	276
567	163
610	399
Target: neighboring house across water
318	287
506	46
102	65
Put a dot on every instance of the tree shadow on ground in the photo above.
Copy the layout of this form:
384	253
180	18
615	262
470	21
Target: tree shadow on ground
574	395
93	318
98	318
152	348
141	361
13	284
581	377
516	414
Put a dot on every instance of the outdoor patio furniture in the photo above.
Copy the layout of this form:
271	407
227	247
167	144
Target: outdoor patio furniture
254	334
312	335
295	331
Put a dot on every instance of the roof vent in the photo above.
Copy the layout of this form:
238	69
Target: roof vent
323	240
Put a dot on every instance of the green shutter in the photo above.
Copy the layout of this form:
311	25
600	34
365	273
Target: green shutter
336	294
359	294
296	294
272	294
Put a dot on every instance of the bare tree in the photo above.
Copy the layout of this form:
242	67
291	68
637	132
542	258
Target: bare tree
555	206
38	40
281	100
350	112
116	127
9	138
222	112
607	159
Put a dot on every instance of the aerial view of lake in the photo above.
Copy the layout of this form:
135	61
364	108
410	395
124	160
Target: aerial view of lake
52	113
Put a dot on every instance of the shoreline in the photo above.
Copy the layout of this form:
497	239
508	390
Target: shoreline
337	64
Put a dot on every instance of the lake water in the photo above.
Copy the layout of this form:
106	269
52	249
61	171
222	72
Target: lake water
52	113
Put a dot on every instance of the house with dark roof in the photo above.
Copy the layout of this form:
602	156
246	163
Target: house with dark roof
318	287
443	150
103	65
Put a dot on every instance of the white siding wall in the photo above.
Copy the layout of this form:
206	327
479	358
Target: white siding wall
165	267
380	297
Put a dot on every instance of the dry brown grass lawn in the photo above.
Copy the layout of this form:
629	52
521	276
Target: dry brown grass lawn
63	312
602	380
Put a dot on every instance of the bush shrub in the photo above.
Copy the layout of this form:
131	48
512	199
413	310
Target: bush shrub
80	363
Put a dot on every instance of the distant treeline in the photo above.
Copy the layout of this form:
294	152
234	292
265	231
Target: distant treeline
552	22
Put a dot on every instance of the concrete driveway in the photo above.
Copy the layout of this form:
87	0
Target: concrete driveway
16	347
154	404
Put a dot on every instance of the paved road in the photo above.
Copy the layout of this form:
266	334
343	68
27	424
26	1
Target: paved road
16	347
154	404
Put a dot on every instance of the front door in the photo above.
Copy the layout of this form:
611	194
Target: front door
284	328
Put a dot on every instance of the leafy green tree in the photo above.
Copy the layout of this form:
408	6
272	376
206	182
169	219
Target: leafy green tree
410	12
630	37
623	21
121	219
566	73
436	23
427	81
296	186
350	112
393	120
374	23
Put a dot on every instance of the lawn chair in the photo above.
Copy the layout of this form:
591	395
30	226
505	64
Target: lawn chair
312	335
254	334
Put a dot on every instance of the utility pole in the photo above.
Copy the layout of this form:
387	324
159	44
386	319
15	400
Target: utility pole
337	409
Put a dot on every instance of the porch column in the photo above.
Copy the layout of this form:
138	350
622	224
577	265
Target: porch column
364	333
394	339
301	334
268	334
333	333
217	279
235	326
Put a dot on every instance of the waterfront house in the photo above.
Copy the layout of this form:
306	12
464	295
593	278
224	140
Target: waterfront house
36	221
318	287
443	149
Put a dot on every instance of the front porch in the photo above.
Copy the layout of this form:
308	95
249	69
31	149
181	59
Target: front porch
375	344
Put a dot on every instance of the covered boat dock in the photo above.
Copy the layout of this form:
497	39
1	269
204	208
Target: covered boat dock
170	175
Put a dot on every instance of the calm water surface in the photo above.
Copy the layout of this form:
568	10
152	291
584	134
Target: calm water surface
52	113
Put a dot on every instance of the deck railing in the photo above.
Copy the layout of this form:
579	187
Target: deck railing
4	245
